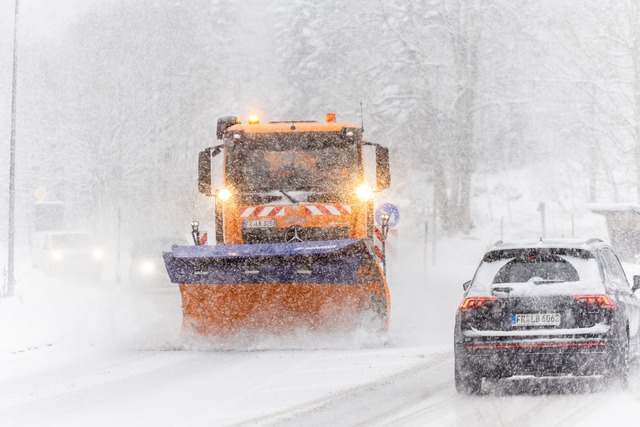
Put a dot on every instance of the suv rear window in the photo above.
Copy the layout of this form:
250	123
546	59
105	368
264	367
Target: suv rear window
548	268
527	268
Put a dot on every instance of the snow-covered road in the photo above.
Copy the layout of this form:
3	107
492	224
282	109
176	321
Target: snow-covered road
62	385
425	396
68	384
76	353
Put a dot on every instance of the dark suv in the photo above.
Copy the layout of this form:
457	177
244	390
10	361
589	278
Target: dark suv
547	308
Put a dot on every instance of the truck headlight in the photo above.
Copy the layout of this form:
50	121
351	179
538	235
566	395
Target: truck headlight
224	194
364	192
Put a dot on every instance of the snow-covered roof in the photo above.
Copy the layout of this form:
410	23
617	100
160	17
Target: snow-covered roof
544	243
601	208
285	127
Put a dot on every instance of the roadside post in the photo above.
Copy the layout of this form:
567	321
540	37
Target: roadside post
541	209
386	216
425	250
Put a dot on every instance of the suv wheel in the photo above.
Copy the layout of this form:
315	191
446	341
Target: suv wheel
620	368
623	363
467	382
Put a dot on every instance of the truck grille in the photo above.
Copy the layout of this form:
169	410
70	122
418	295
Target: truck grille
277	235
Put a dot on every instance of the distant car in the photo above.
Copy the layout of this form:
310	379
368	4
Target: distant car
146	268
547	308
74	252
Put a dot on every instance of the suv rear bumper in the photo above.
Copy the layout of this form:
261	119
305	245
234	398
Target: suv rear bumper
543	357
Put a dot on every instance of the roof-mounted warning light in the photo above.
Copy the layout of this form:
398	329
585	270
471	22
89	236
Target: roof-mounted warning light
254	119
331	117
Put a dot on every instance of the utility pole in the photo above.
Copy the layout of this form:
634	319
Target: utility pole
12	162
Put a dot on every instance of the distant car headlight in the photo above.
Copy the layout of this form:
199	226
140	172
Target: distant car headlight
147	268
98	254
57	255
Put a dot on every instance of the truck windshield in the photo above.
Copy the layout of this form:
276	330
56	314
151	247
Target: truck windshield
276	163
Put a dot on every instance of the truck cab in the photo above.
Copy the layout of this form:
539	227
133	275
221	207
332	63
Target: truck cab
292	181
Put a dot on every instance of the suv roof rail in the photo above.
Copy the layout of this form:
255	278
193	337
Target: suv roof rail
498	243
595	240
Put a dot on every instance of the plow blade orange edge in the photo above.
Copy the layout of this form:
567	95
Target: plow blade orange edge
331	286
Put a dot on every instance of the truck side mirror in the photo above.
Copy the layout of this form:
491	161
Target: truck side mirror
204	172
636	283
383	175
204	168
225	123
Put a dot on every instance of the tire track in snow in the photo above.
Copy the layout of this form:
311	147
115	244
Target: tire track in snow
212	412
95	371
304	413
504	405
89	381
425	395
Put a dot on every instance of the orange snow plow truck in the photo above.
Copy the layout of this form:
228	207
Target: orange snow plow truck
294	232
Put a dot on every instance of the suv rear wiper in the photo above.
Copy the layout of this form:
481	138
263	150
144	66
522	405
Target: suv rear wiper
548	281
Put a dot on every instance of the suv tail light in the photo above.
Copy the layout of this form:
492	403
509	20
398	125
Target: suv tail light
597	300
476	302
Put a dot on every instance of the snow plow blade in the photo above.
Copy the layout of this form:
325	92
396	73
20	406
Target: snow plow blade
328	286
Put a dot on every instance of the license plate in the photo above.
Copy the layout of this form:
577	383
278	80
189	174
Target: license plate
535	319
259	223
